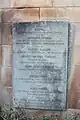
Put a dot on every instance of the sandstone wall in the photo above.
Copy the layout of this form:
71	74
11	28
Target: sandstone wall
34	10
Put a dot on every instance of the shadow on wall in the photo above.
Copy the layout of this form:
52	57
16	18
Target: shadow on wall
74	91
4	95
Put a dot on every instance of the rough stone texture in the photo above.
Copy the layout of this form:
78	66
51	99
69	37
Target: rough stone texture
41	3
6	55
5	3
52	13
0	15
38	3
76	2
74	82
76	55
31	3
69	13
9	92
62	2
0	32
0	55
32	14
0	72
74	91
77	34
70	77
20	15
6	34
73	14
6	76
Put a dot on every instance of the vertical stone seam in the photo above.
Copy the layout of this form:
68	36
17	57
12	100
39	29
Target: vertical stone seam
52	2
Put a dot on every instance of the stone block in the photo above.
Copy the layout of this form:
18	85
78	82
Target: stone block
76	34
67	13
6	34
76	55
74	90
76	3
52	13
0	33
31	3
62	2
6	76
0	55
5	3
20	15
6	55
73	14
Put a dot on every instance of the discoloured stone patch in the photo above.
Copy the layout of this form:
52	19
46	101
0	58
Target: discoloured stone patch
20	15
74	91
6	34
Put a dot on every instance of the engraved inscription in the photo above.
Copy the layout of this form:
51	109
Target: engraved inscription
40	55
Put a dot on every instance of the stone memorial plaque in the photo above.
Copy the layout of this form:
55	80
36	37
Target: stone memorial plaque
41	59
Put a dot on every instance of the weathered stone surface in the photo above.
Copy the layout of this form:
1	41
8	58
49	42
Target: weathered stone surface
5	3
6	55
76	2
74	91
76	34
76	55
62	2
69	13
73	14
76	44
0	72
4	95
6	34
9	92
0	15
20	15
0	32
32	14
6	76
31	3
74	81
32	42
52	13
0	55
